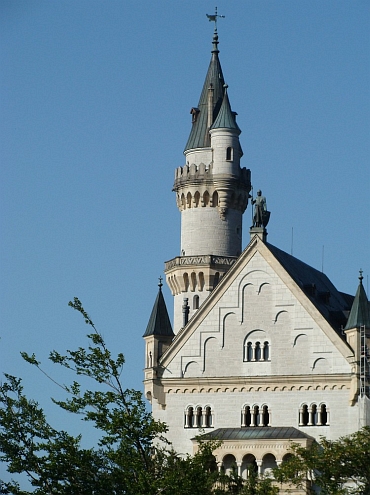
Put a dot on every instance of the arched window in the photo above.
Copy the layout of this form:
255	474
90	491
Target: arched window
255	416
313	413
206	198
189	418
208	418
246	416
265	416
196	302
188	200
229	153
266	351
198	419
303	415
248	349
257	352
323	415
215	199
196	198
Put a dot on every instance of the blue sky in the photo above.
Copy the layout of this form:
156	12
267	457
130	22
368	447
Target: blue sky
95	101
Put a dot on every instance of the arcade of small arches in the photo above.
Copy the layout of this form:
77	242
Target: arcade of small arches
210	199
255	416
256	351
313	415
194	281
198	417
266	387
248	463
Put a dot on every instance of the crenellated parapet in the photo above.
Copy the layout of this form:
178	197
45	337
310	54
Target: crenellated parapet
197	186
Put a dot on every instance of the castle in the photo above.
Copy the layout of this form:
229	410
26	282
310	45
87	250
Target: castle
264	350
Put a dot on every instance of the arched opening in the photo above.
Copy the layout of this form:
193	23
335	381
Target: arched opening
189	418
255	419
206	198
229	153
257	352
265	416
201	280
323	419
183	201
313	421
266	351
249	465
188	200
196	198
193	279
228	463
208	417
186	282
198	418
268	464
215	199
246	416
304	416
196	302
248	351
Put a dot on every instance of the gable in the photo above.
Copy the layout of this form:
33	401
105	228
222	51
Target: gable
257	322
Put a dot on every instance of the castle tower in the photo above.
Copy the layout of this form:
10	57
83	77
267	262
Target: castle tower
212	192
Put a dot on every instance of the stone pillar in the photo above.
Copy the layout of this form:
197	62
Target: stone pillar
239	466
259	465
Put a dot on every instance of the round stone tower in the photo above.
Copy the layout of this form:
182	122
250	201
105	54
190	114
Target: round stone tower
212	194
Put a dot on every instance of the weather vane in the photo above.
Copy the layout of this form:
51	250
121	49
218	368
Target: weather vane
213	17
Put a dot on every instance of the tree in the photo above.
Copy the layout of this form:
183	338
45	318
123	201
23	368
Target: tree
336	467
132	456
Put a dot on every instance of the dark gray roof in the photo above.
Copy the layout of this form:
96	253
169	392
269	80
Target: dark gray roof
159	321
360	314
199	136
255	432
225	118
332	304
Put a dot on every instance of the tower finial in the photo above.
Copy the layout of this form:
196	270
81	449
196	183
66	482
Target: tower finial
361	277
213	18
160	285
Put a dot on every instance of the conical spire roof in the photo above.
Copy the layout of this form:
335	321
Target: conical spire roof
159	321
360	314
226	117
199	137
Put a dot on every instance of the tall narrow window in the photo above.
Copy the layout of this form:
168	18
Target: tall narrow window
266	351
323	414
198	421
249	352
208	417
196	302
304	415
229	153
265	416
257	352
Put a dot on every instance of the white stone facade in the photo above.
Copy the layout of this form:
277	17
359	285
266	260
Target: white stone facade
258	341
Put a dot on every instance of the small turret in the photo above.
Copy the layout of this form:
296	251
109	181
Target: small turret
158	337
357	333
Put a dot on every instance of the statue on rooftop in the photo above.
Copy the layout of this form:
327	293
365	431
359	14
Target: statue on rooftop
261	215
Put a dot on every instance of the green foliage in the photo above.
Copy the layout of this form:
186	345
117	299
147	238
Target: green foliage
336	467
132	456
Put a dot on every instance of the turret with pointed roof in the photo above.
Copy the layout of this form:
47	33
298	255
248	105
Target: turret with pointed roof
359	315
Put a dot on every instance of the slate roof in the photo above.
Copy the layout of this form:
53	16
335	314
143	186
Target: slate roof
199	136
332	304
255	433
159	321
226	117
360	313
